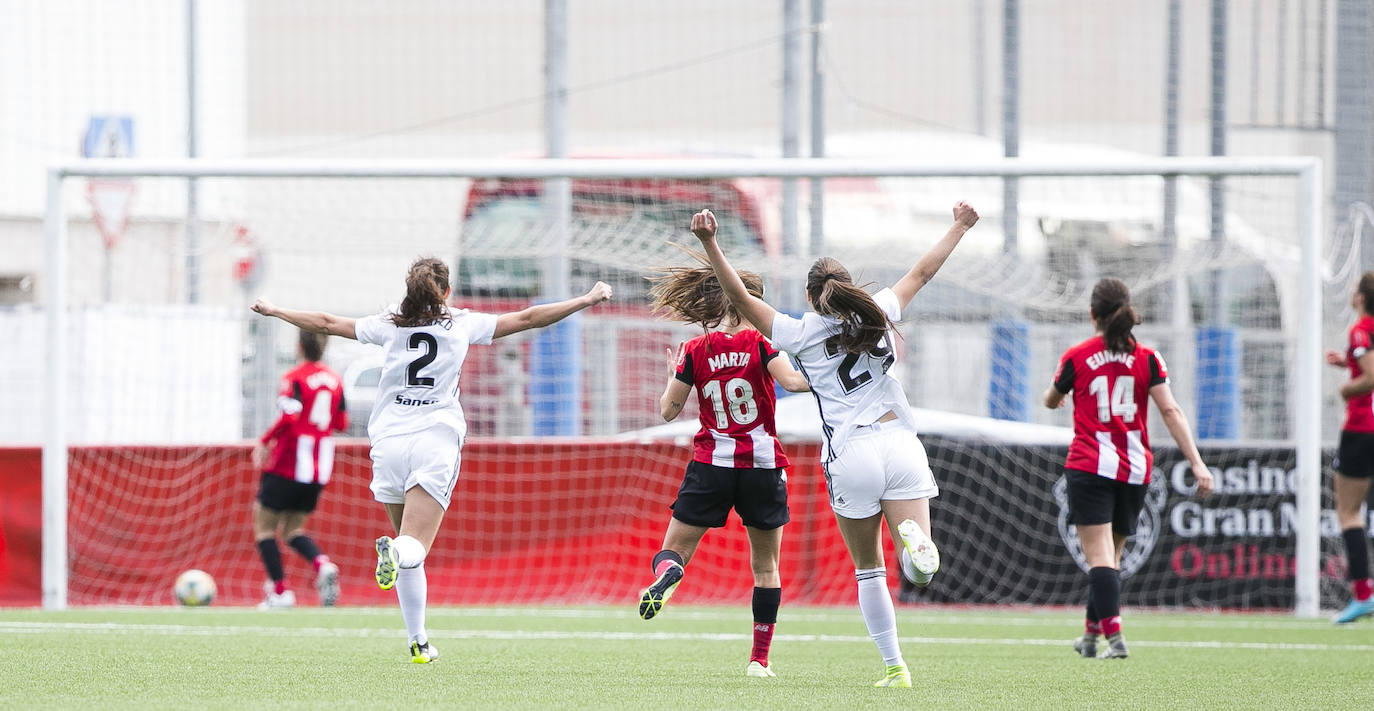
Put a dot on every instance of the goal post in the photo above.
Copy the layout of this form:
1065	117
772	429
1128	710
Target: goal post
975	295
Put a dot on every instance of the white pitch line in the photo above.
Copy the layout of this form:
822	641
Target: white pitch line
18	627
922	616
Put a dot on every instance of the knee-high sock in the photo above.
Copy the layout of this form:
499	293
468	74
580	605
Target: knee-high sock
1357	560
271	560
305	545
412	588
875	602
1106	596
1092	623
410	552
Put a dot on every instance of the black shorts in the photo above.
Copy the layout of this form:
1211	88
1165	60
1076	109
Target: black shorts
1096	499
1355	455
281	494
708	493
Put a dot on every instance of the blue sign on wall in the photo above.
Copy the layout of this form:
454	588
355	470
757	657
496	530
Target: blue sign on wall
109	137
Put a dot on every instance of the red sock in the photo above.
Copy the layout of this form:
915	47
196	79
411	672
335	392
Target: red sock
663	565
1362	588
763	639
1111	625
320	560
1092	628
281	586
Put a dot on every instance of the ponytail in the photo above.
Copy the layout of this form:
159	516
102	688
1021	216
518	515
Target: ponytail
833	293
426	284
1111	306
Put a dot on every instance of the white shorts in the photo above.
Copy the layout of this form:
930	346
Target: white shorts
882	461
428	459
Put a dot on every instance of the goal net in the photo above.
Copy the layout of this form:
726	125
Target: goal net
156	376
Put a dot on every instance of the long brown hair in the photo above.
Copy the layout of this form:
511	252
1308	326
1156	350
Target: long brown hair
834	293
1111	306
694	295
426	283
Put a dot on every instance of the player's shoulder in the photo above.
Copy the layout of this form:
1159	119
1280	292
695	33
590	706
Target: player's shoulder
1084	348
1365	324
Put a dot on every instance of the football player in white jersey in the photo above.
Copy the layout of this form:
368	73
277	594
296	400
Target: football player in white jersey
875	466
416	427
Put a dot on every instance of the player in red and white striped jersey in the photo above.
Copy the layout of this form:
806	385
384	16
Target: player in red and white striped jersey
1354	464
1112	377
737	461
296	456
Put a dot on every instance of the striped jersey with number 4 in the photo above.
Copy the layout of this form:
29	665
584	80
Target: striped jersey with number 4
420	371
310	405
1110	406
729	374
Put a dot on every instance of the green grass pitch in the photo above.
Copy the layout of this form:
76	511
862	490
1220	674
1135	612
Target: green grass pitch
688	658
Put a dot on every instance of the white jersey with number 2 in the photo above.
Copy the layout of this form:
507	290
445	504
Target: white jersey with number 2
852	389
419	383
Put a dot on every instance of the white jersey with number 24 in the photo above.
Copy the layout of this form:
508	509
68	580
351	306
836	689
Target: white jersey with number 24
419	383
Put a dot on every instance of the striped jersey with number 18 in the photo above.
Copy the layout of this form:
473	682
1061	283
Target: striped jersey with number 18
729	374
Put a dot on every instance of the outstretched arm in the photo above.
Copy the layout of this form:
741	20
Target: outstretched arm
1177	423
930	262
312	321
755	310
549	314
782	371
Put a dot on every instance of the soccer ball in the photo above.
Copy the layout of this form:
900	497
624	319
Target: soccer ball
194	588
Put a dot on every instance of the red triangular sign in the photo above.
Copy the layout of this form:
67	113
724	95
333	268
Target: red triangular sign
111	204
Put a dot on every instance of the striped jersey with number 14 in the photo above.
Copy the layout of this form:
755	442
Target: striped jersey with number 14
729	374
311	406
1110	407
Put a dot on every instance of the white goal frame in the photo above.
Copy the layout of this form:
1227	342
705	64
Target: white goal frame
1308	171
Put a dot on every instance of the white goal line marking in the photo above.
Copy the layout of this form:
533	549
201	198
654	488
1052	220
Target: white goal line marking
19	627
923	616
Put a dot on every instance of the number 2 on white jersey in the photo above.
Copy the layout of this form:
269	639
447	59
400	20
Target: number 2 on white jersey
1120	403
738	396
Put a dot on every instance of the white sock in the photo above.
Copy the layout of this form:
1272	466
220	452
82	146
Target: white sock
410	552
875	602
412	588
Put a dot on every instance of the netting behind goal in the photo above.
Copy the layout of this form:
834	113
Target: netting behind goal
169	375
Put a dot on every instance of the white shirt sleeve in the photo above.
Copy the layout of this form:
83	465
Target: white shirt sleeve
887	301
480	327
787	332
373	329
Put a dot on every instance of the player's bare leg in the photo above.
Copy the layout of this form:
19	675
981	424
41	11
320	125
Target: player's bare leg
1350	493
1102	550
679	545
908	521
764	550
265	523
863	538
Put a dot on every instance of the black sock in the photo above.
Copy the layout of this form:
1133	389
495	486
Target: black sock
1092	609
766	601
1106	592
663	555
1356	553
306	547
271	559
